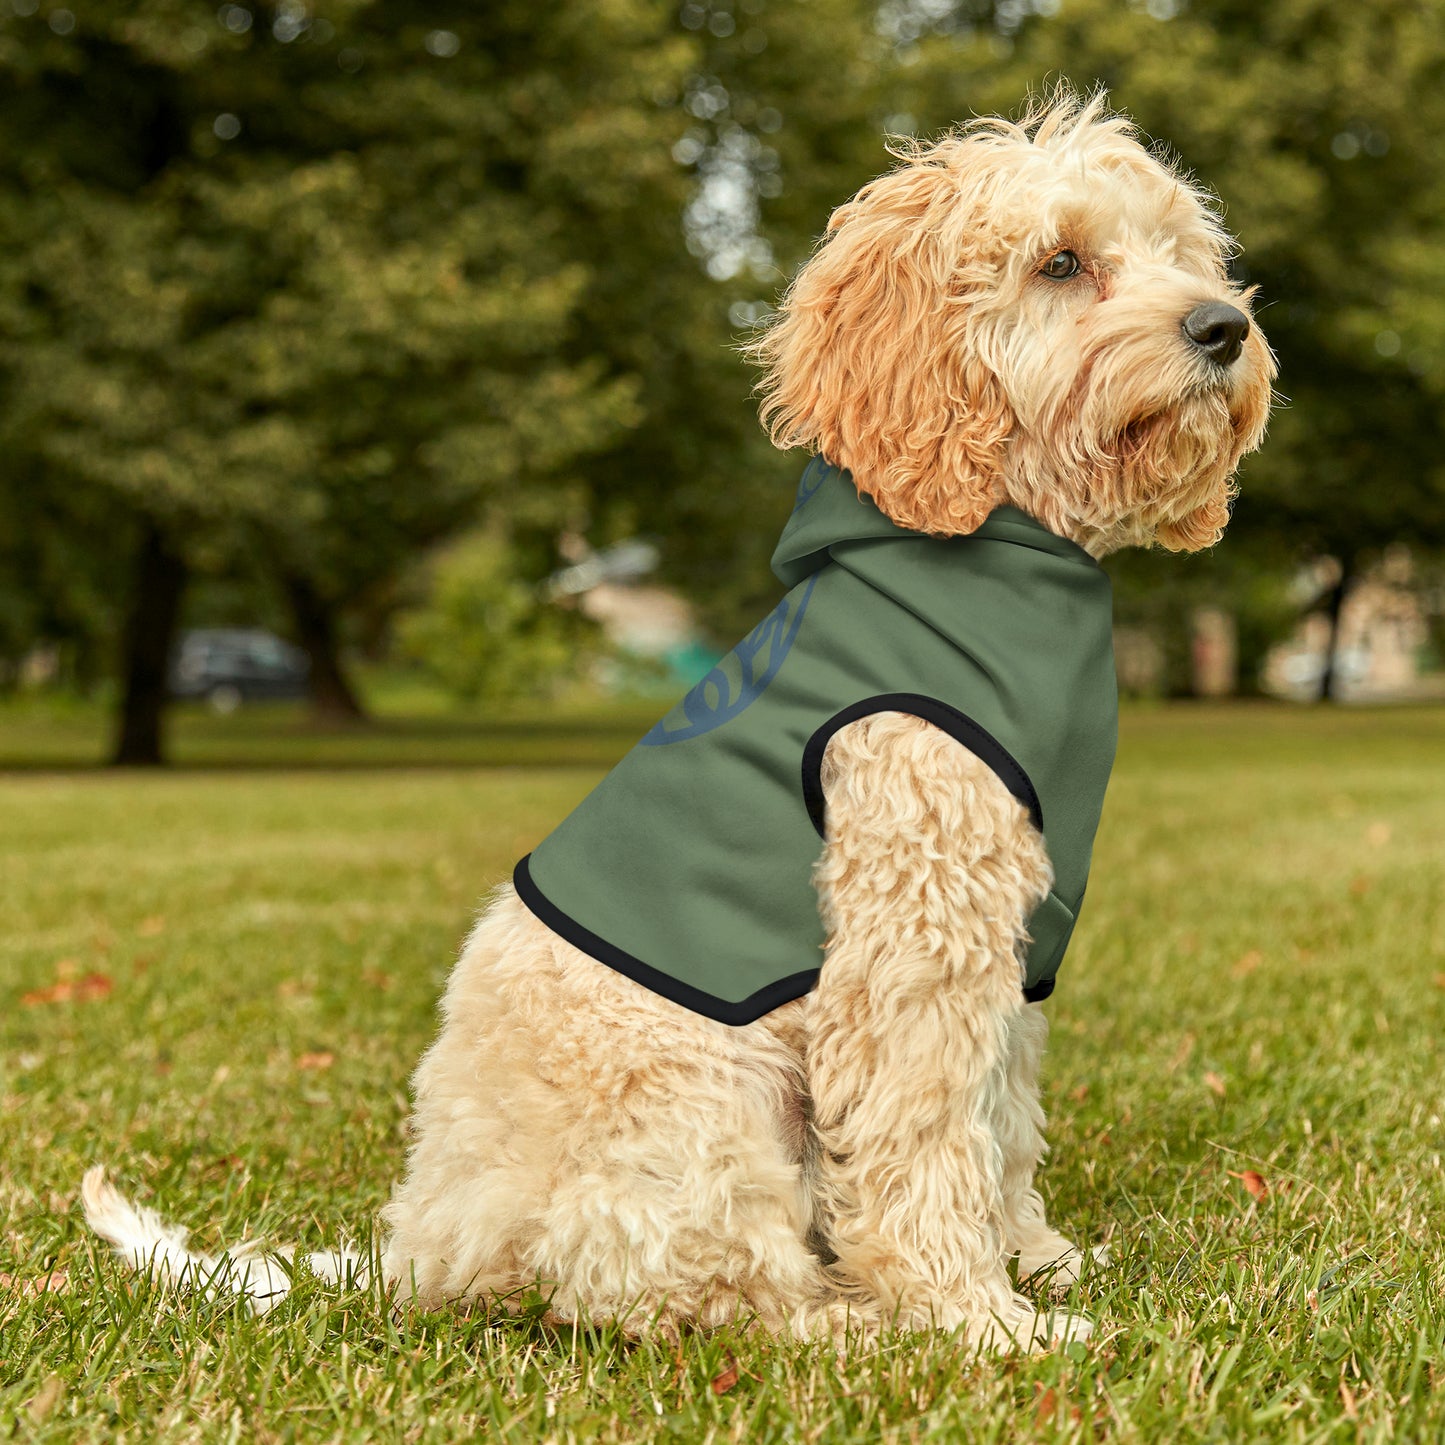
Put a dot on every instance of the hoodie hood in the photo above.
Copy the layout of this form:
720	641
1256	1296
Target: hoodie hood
830	516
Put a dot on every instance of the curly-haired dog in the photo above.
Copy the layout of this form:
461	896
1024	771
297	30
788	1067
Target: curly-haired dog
1017	351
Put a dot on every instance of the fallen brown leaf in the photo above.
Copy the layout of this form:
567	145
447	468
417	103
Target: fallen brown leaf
1182	1053
377	979
56	1282
1254	1182
56	993
1360	885
321	1059
1046	1407
1247	964
82	990
1214	1083
1440	980
46	1398
1080	1094
722	1383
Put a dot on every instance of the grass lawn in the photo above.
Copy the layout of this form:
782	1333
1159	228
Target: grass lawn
217	980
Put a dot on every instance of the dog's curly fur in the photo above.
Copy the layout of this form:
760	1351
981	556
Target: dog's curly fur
865	1155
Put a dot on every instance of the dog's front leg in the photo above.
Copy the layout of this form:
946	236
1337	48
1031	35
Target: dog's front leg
930	871
1019	1127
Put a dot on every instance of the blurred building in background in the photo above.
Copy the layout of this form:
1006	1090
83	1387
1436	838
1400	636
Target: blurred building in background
1382	645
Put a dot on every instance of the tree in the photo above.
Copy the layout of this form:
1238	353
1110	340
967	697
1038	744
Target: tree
301	280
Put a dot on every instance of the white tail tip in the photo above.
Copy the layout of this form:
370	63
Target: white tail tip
148	1244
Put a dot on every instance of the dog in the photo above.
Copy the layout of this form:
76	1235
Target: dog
1024	336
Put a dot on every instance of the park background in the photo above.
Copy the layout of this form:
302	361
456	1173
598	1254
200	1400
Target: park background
384	333
408	333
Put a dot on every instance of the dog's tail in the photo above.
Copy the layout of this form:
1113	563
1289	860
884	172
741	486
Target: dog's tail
147	1243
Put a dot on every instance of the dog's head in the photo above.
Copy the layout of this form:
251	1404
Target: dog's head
1036	313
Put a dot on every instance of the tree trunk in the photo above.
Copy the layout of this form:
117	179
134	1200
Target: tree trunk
333	699
1329	677
150	629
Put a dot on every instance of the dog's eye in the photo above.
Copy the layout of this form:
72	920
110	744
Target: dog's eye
1060	266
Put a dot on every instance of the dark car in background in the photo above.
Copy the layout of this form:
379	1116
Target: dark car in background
227	666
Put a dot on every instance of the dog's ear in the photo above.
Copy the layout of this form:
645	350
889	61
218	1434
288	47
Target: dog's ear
872	359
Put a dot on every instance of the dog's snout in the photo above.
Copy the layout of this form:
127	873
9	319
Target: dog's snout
1218	330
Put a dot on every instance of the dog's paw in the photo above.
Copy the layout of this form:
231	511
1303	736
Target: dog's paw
1023	1326
1057	1267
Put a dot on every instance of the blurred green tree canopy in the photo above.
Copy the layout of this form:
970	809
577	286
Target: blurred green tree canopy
309	287
480	633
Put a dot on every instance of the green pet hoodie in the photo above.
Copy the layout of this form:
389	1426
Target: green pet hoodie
688	868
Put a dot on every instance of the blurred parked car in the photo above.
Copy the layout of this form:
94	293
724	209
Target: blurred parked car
230	665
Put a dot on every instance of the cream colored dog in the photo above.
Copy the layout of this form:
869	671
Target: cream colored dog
1036	314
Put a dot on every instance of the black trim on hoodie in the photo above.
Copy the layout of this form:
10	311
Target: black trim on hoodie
956	724
744	1011
785	990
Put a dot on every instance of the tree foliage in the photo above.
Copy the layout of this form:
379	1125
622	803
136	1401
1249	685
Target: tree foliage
480	633
322	284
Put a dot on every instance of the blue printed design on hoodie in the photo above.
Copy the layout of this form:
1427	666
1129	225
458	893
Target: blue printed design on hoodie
740	679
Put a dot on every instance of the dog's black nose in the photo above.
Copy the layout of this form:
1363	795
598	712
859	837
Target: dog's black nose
1217	330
